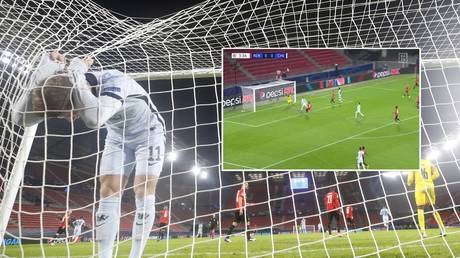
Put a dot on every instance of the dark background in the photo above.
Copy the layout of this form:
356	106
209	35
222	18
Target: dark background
146	8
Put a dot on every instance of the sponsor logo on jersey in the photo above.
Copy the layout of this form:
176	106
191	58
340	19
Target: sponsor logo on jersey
100	219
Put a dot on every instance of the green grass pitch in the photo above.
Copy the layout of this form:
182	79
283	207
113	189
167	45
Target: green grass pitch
280	136
387	244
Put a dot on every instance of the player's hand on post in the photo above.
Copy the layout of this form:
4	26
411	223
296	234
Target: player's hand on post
88	61
57	57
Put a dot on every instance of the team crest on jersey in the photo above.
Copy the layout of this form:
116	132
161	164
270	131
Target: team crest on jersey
112	89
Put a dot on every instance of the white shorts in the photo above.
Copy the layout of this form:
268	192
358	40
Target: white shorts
77	231
386	219
146	154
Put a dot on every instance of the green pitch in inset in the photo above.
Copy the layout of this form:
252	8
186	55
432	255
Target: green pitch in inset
375	114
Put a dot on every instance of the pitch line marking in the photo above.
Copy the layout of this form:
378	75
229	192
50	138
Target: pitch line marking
333	143
282	119
355	87
386	136
238	165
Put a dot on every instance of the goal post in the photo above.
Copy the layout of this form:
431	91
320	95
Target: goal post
13	182
266	93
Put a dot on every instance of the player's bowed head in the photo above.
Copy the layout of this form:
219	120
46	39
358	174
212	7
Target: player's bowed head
55	96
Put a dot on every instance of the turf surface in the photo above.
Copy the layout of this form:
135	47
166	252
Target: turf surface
280	136
285	245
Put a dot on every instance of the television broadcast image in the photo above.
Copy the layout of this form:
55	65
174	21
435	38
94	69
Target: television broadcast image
173	128
321	108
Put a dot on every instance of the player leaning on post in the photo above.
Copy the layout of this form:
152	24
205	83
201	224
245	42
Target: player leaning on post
135	135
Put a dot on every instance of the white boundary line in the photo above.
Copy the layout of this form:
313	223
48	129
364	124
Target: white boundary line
285	118
386	136
333	143
352	87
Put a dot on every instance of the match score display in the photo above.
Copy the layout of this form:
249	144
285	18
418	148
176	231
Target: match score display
278	55
299	183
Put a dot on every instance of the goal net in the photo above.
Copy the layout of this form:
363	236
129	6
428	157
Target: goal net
50	169
263	94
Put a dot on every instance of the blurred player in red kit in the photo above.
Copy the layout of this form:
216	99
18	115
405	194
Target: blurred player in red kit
349	217
240	203
62	228
164	220
332	203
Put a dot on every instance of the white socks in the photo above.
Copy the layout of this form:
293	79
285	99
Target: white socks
107	225
142	225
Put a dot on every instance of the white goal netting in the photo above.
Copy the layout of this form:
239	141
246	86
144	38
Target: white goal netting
177	60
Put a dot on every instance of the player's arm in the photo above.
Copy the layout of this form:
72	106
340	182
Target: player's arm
434	173
50	64
94	111
410	178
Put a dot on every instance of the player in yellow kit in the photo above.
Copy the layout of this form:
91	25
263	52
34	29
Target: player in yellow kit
289	99
425	193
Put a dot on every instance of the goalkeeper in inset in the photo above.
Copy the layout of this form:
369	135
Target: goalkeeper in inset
135	135
425	194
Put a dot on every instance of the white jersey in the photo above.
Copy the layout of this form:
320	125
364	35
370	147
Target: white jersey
385	214
137	114
304	102
339	92
79	223
358	108
360	157
302	223
200	227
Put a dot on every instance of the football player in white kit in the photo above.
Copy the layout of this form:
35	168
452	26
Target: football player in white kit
304	104
358	110
385	213
303	226
339	94
77	226
135	135
360	159
200	230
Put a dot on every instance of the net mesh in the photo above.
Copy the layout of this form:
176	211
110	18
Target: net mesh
63	159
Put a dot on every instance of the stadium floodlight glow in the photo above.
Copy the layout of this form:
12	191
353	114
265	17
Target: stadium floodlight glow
391	174
204	174
449	145
172	156
196	170
433	154
7	53
5	60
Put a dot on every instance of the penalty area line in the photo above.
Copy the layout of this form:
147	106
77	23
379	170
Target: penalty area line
286	118
237	165
383	137
333	143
